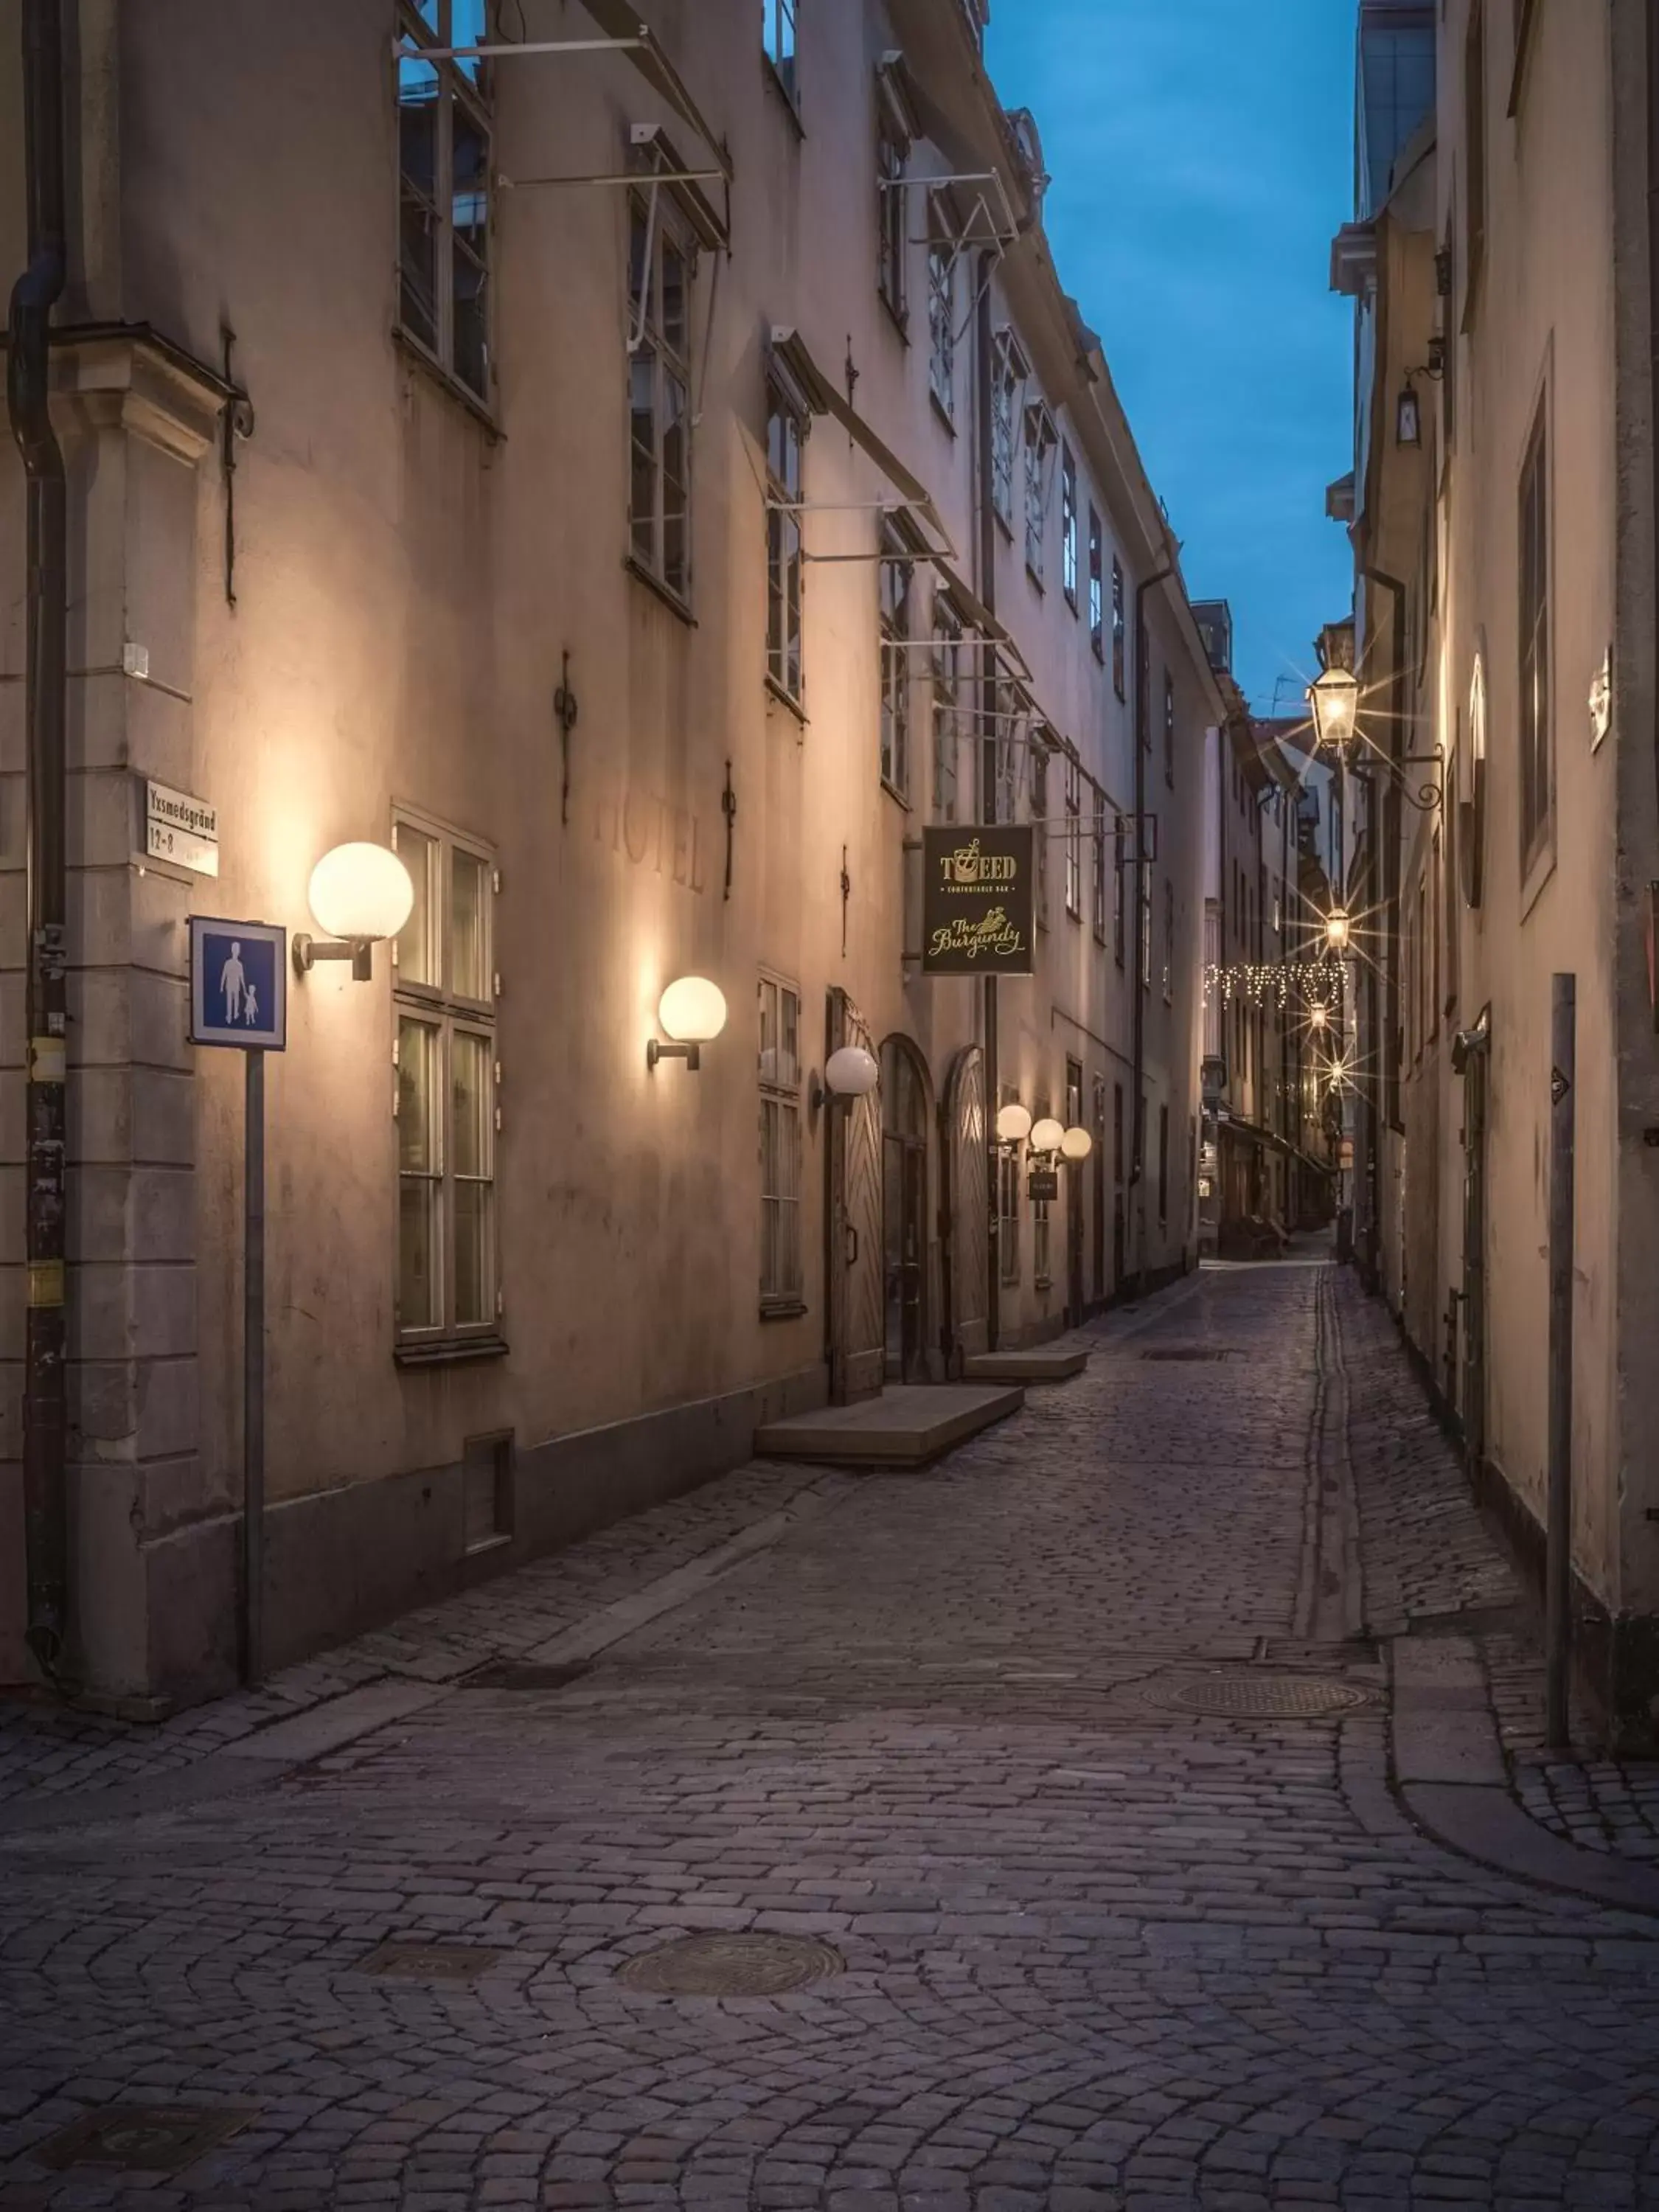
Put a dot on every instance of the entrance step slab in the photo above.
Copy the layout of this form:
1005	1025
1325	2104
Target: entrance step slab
909	1426
1038	1363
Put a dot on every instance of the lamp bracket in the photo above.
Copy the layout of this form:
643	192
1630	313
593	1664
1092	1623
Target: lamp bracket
691	1054
359	950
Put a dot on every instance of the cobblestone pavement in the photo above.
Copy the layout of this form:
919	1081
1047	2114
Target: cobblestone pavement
1095	1949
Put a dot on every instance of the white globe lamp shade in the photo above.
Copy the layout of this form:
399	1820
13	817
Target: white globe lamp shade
1076	1145
1013	1124
361	892
1048	1137
852	1072
692	1010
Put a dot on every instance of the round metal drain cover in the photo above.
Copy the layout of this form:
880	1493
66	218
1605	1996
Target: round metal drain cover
1264	1697
730	1967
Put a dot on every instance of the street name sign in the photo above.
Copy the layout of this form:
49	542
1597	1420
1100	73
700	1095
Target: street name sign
180	828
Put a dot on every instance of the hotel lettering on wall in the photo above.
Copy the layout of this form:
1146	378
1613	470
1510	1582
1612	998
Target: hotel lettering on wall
979	900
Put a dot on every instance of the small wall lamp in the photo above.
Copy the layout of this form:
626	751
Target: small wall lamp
692	1013
1013	1123
849	1073
359	894
1408	417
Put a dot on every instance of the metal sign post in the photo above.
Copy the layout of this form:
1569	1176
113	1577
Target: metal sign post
1558	1626
238	1000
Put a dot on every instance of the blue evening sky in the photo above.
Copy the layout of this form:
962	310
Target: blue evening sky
1201	152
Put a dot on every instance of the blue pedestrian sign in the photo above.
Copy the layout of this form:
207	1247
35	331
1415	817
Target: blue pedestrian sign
238	984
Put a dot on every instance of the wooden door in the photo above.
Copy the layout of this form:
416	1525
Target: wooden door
968	1203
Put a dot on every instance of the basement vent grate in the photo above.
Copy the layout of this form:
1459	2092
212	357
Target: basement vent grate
1190	1352
429	1962
525	1674
143	2138
1263	1696
735	1965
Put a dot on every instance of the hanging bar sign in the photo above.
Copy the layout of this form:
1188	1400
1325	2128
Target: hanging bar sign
978	900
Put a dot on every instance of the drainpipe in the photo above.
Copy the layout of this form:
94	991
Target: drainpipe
987	594
33	297
1142	732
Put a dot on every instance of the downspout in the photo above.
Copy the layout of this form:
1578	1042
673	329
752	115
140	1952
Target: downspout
988	699
27	396
1653	263
1142	733
1385	818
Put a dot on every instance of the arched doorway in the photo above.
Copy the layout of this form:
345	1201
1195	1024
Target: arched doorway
904	1207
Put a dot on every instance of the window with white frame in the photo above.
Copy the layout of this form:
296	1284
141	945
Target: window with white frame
444	174
1007	736
780	1276
1040	442
662	263
893	574
1096	586
948	671
448	1275
1040	817
942	257
892	199
1068	527
786	436
1119	656
778	36
1100	865
1074	839
1009	374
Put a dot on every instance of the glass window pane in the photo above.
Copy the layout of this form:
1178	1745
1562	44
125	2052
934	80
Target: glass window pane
417	1274
675	279
788	1040
468	946
417	952
417	1093
470	1104
642	490
468	27
474	1304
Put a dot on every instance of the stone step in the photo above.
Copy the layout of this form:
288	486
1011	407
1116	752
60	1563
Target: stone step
1036	1362
911	1425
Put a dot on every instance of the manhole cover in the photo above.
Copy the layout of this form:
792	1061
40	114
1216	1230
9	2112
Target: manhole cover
429	1962
1184	1352
730	1967
523	1675
1265	1697
143	2138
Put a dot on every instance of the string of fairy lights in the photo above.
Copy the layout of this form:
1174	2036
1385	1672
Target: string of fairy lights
1278	982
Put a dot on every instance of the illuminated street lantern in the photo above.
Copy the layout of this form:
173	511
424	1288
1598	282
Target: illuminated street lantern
1334	701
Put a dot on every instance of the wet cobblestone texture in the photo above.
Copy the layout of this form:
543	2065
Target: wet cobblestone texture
1095	1951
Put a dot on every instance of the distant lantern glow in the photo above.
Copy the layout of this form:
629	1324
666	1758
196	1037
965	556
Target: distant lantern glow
692	1010
361	892
1319	1017
1077	1145
852	1072
1334	700
1048	1136
1337	927
1409	418
1013	1124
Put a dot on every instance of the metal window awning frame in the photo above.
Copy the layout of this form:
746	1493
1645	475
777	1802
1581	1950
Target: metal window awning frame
820	397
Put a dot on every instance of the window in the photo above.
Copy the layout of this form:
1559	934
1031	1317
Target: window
1168	942
892	245
1074	841
1097	587
1169	729
1007	388
1040	440
1006	739
780	1146
1040	817
1100	865
660	270
947	677
778	33
1118	631
1008	1207
1069	553
1474	143
893	574
444	175
1534	611
1162	1162
1041	1238
941	311
786	434
445	1002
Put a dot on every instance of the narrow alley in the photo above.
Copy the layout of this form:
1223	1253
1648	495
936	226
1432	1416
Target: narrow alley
1144	1804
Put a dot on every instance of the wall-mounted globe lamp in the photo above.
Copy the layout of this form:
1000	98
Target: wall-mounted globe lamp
1333	701
691	1013
1048	1136
1076	1145
359	895
849	1073
1013	1124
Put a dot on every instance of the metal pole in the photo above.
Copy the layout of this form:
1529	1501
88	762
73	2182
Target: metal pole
253	1371
46	1328
1557	1627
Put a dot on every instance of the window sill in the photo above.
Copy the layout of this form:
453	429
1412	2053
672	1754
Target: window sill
942	411
783	1309
784	699
1097	646
1005	524
897	316
791	99
448	382
1070	601
495	1543
1037	579
655	586
896	794
452	1352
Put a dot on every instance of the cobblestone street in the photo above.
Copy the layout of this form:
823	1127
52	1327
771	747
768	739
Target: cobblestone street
1088	1945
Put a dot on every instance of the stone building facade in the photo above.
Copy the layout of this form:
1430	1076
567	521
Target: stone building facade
646	482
